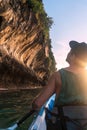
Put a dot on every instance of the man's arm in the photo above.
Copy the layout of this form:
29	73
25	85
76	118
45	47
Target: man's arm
53	86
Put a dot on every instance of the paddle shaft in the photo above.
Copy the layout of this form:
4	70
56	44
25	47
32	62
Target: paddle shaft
25	117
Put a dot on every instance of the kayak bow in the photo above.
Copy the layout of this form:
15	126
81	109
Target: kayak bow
39	122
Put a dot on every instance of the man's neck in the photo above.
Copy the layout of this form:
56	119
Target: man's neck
75	69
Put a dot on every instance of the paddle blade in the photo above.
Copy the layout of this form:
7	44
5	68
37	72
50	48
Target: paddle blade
20	121
11	127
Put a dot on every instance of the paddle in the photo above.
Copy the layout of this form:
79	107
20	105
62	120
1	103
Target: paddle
20	121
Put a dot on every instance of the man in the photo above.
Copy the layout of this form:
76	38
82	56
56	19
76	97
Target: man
68	82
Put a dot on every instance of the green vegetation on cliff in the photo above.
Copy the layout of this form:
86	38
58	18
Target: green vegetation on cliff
45	23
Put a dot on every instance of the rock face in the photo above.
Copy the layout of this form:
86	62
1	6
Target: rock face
23	49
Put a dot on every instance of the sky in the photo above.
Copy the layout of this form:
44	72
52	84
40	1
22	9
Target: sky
69	23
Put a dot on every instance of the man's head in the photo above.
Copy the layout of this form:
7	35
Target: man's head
79	51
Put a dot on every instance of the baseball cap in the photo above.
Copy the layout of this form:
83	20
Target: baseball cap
79	49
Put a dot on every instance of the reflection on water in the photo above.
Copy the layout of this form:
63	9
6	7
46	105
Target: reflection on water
14	105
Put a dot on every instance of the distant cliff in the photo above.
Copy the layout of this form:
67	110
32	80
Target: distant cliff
26	58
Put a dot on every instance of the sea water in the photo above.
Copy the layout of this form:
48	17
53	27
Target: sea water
14	105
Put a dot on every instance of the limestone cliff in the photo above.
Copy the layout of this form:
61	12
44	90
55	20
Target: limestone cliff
24	48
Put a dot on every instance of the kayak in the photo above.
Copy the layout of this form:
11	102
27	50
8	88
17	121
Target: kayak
39	123
69	117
